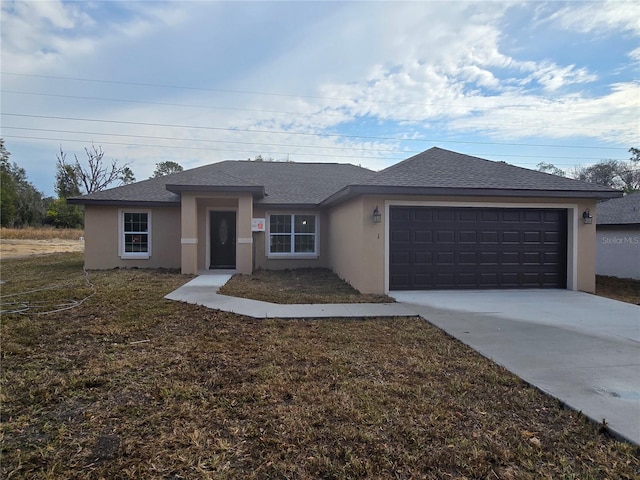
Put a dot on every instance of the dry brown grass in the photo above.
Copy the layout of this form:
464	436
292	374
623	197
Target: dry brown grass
41	233
623	289
130	385
303	285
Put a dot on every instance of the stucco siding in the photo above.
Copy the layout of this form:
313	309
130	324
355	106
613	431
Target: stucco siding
260	243
357	245
618	251
345	242
101	233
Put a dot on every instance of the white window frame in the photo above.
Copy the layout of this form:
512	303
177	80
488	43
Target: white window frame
121	234
292	254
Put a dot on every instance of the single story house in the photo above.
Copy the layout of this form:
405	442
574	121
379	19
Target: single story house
618	237
438	220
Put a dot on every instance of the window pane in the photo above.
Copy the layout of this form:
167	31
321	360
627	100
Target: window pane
280	224
305	244
280	244
305	223
136	243
135	222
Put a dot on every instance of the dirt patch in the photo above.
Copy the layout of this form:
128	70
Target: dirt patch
19	248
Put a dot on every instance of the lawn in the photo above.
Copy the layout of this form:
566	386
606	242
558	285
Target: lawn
128	385
302	285
623	289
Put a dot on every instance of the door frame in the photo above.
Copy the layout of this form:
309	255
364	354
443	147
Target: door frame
207	258
572	229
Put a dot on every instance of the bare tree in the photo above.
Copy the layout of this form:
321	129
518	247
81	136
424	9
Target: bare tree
97	174
551	168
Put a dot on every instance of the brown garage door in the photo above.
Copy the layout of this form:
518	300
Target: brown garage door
457	248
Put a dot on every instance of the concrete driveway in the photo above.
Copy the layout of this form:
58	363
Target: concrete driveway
580	348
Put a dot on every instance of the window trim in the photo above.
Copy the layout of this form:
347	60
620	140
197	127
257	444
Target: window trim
302	255
121	233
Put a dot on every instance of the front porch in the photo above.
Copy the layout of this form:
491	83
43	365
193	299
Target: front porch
216	232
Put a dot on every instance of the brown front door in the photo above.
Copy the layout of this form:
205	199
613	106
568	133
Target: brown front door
223	239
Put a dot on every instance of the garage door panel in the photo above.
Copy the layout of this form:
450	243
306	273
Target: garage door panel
468	258
488	280
488	258
401	258
509	258
488	215
445	259
444	215
400	236
511	237
510	216
489	237
445	279
468	236
445	236
423	236
422	215
467	216
423	258
451	247
509	280
400	214
532	237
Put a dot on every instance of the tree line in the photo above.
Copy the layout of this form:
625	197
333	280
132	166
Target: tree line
619	174
22	204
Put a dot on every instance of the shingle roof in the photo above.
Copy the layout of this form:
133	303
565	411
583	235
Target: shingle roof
619	211
437	167
271	183
435	171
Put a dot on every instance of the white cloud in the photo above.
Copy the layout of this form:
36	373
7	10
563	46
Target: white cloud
599	17
421	69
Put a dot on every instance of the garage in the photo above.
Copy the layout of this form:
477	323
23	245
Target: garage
477	248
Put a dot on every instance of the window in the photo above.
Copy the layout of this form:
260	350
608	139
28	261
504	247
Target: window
292	235
135	234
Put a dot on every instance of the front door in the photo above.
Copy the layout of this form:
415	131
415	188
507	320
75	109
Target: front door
223	239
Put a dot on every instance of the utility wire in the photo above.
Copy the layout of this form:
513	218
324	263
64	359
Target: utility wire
275	94
360	157
254	110
282	132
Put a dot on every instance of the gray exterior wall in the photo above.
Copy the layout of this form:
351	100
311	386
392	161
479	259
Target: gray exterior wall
618	251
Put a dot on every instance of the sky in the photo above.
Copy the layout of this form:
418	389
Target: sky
367	83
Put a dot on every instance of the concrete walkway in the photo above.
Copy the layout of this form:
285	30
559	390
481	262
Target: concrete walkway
581	349
203	290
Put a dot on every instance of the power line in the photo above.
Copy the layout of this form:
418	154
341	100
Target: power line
329	135
276	112
277	94
198	139
404	153
201	140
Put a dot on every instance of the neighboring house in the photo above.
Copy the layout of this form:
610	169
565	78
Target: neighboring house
445	221
618	237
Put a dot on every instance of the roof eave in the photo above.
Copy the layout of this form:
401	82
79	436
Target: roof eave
288	206
355	190
121	203
256	190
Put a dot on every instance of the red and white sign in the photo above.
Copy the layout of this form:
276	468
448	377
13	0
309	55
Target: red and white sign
257	225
